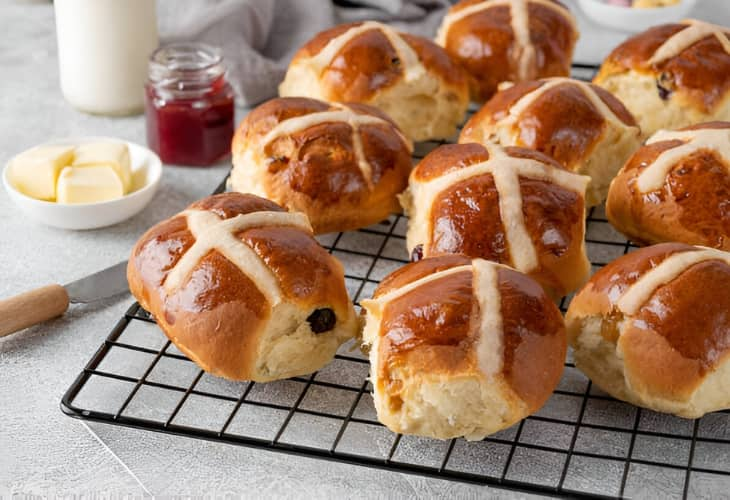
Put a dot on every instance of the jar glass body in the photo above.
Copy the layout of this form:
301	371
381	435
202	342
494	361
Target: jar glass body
103	49
189	105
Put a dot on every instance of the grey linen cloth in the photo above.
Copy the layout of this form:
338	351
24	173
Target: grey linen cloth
259	37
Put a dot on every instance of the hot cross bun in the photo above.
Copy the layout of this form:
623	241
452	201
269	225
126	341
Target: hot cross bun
652	328
580	125
508	40
509	205
411	79
672	76
461	347
342	165
242	288
676	188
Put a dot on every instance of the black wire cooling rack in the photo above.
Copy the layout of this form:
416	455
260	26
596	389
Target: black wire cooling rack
581	443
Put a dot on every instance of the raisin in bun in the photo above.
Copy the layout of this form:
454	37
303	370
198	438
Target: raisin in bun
340	164
652	328
411	79
672	76
509	205
515	40
580	125
461	347
676	188
243	289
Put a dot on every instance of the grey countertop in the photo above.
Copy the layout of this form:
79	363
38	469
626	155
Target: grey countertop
42	451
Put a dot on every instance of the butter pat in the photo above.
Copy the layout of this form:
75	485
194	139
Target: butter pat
88	184
34	173
114	154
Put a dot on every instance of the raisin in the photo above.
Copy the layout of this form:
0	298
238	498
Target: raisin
664	86
322	320
417	253
663	93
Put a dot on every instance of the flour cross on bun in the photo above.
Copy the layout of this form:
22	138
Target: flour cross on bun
672	75
213	233
501	41
241	287
408	59
580	125
342	114
684	39
506	171
461	347
342	165
459	188
409	78
652	328
587	90
676	188
697	139
520	24
490	345
636	295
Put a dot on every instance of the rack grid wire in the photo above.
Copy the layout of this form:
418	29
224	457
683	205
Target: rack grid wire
582	443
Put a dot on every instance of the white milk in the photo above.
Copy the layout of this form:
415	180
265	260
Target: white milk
103	48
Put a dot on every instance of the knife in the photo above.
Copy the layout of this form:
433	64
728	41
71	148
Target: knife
47	302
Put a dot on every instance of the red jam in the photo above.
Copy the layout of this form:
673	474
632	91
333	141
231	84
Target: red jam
189	105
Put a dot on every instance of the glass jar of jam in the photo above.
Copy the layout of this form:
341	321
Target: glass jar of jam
189	105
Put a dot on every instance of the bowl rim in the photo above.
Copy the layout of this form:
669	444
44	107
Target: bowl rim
653	10
155	166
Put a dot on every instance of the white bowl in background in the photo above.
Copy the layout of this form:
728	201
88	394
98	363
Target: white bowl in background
632	20
146	174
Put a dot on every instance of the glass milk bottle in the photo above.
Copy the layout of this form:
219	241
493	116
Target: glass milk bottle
103	49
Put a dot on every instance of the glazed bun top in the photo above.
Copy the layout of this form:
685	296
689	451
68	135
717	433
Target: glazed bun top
357	60
675	291
341	164
239	285
669	148
510	205
451	316
688	172
235	248
515	40
561	117
691	57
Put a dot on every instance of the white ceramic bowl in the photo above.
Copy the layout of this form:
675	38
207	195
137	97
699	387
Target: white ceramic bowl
146	175
632	20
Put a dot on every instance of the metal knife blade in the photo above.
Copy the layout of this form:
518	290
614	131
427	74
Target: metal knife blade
100	285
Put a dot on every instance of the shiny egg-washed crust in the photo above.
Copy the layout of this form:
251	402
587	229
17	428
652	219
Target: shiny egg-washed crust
368	63
315	169
691	207
673	354
429	337
465	217
688	88
563	123
369	69
484	43
219	317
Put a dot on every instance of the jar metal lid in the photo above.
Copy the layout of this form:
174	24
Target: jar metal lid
185	66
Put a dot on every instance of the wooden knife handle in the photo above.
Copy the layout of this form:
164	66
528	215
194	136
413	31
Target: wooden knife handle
31	308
